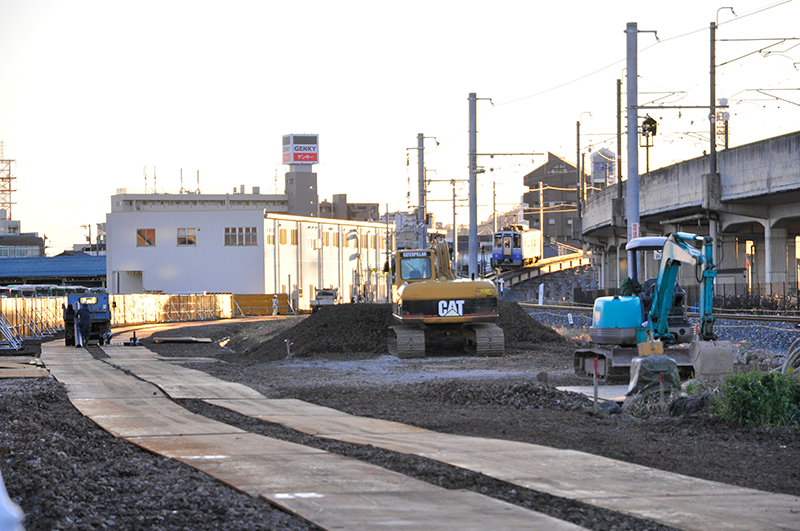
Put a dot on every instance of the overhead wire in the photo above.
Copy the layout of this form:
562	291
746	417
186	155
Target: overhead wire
606	67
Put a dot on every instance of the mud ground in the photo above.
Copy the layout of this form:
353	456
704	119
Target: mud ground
66	473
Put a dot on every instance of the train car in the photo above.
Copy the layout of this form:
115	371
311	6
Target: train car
516	246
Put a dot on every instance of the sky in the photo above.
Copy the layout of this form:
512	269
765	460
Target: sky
98	96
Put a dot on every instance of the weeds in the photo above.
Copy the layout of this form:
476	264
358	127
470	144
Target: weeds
756	399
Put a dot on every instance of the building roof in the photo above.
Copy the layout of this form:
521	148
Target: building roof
79	265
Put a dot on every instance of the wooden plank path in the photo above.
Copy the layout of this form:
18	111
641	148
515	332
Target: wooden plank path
332	491
671	499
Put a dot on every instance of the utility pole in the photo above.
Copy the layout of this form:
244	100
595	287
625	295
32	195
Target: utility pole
619	139
632	194
579	184
473	187
388	259
455	230
541	218
494	207
712	110
422	233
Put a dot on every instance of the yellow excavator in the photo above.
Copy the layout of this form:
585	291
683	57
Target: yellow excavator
429	302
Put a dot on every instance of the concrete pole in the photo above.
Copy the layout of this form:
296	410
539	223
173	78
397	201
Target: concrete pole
619	139
712	108
494	207
455	229
579	182
713	229
541	218
473	187
632	194
422	233
388	257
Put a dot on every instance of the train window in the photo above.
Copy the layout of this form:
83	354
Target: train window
88	300
516	240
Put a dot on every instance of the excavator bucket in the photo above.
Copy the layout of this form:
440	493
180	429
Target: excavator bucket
712	360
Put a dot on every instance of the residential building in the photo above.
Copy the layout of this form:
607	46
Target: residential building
559	191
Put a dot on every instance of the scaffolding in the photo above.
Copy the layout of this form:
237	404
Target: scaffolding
7	179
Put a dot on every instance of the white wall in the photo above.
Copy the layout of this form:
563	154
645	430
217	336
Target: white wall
311	264
209	266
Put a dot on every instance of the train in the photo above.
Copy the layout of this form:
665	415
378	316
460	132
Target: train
516	246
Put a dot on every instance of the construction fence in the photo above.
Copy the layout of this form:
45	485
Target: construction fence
42	317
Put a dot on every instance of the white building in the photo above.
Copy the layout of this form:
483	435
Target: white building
239	243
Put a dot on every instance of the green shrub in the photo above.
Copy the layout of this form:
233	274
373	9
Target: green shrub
756	399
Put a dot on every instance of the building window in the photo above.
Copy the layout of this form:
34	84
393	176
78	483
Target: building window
241	236
551	221
326	239
335	239
269	237
145	237
294	236
187	237
282	236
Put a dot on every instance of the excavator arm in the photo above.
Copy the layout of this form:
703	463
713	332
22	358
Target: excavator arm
678	249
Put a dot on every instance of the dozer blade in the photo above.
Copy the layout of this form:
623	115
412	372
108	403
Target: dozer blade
712	360
614	363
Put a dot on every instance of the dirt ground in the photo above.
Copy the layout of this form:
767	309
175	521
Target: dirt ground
337	357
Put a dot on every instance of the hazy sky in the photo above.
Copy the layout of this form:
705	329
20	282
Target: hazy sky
92	92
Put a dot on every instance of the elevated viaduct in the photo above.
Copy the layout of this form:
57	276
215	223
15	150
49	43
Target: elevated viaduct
751	208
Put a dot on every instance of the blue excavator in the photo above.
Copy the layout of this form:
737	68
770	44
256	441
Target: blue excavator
654	321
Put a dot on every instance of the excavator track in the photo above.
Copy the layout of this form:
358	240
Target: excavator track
486	338
406	341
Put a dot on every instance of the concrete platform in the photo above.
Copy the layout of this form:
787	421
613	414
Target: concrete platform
671	499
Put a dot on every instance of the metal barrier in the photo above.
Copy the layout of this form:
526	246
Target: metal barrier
41	317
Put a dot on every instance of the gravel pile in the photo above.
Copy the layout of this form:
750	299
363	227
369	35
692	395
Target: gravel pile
68	474
518	395
350	329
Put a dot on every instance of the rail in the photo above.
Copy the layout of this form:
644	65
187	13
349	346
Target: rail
720	315
544	267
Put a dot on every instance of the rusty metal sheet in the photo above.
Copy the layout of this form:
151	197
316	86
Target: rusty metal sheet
210	446
166	420
22	370
415	510
312	419
274	407
182	382
118	406
739	511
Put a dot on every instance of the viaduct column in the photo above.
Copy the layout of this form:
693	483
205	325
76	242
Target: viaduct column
774	257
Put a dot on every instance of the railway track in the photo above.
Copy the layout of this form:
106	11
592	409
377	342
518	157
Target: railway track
719	314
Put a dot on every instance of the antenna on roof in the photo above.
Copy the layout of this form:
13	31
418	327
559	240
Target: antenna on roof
198	181
155	187
145	178
183	190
